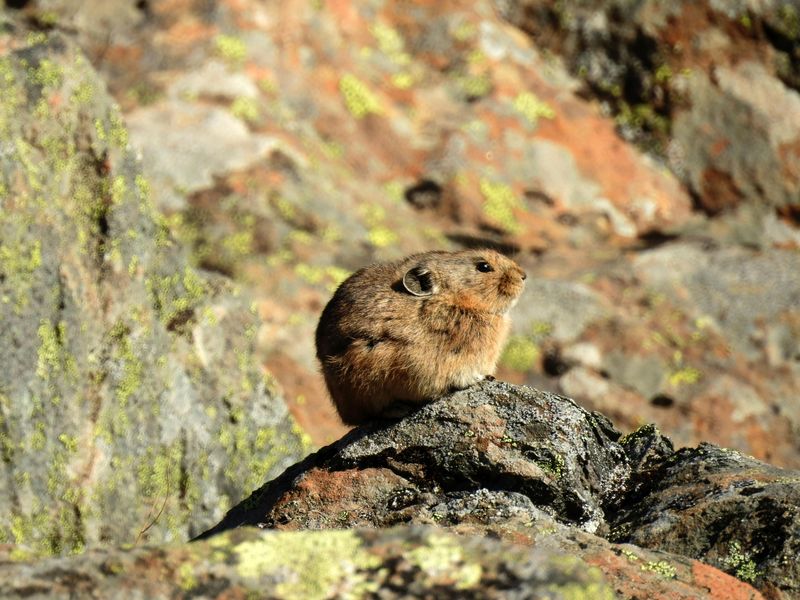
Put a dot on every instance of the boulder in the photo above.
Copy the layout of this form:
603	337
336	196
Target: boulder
534	468
130	406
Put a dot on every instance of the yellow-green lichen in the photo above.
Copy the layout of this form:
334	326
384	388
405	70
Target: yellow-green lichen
231	48
19	260
70	442
132	367
390	43
532	108
83	93
684	376
520	354
661	567
789	19
358	98
239	244
381	237
499	204
741	563
474	85
53	359
402	80
174	294
245	109
119	189
186	577
442	557
118	132
47	74
311	565
590	585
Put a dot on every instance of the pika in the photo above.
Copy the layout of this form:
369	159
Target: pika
405	332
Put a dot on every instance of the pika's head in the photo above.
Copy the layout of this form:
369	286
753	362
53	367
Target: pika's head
482	280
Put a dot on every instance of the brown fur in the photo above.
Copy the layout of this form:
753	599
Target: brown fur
380	344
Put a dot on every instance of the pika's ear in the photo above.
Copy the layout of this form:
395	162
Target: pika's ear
419	281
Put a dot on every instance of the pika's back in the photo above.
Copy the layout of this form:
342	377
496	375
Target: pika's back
413	328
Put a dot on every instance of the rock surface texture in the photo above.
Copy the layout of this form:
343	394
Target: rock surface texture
131	408
533	467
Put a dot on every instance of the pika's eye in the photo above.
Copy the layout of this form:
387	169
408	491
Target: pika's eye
484	267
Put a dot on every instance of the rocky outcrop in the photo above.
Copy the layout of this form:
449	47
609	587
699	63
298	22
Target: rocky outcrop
494	492
535	468
416	562
712	87
130	405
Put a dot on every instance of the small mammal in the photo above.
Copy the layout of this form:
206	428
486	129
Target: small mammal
407	331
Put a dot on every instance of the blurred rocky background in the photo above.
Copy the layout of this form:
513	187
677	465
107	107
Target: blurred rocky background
183	183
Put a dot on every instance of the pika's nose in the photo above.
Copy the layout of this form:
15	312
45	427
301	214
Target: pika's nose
524	275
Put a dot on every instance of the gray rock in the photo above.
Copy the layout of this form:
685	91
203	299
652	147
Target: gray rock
185	144
130	406
732	511
417	562
493	436
513	461
562	308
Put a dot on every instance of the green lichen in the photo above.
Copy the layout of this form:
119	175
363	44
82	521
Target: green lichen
590	585
53	359
520	354
661	567
381	237
245	109
176	294
403	80
741	563
358	98
186	577
441	555
19	260
70	442
160	477
231	49
47	74
119	189
311	565
83	93
118	133
532	108
132	369
684	376
631	556
474	86
499	204
391	43
239	244
553	464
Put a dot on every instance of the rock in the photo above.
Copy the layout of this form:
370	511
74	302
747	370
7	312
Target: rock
415	562
130	406
535	468
721	507
185	145
563	309
711	87
517	440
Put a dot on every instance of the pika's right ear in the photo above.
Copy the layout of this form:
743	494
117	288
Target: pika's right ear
419	281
